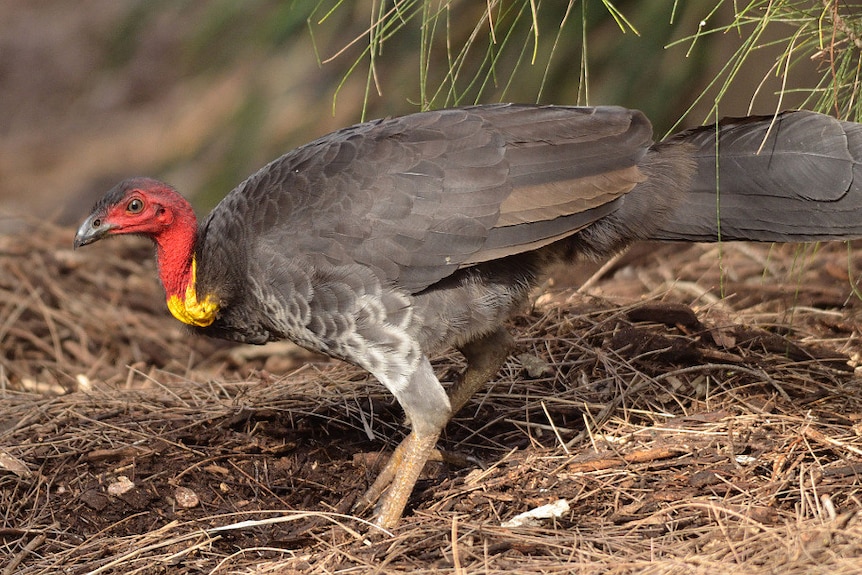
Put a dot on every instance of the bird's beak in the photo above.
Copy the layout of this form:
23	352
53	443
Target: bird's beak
93	229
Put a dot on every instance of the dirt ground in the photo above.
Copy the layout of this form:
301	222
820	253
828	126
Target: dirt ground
694	409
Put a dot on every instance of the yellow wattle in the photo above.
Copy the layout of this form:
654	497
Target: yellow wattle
191	310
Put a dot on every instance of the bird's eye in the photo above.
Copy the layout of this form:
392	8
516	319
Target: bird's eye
135	206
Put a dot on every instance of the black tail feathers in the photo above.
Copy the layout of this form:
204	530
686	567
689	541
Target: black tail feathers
793	177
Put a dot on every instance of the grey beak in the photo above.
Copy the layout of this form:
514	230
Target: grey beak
92	230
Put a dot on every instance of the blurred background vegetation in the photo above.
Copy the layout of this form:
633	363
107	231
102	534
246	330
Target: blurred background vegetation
201	93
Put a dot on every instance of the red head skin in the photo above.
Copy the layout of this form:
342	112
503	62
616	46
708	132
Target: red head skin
153	209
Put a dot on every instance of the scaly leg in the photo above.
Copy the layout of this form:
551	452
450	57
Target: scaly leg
427	407
484	356
399	475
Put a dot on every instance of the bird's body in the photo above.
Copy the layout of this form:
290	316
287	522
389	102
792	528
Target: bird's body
385	242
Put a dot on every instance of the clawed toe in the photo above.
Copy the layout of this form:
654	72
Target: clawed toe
392	488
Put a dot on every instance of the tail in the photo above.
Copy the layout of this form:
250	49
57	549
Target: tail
794	177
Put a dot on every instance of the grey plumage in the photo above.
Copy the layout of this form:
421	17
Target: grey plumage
385	242
789	178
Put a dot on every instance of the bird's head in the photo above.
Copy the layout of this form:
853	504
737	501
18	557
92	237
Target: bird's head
150	208
141	206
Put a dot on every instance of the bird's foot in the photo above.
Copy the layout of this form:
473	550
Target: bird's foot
395	483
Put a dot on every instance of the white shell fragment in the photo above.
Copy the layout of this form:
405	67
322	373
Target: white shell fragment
534	516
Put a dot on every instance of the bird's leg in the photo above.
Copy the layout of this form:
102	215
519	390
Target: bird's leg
399	475
485	356
427	407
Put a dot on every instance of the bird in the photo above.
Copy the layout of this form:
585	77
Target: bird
386	242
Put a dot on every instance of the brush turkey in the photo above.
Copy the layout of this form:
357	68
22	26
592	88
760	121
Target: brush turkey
385	242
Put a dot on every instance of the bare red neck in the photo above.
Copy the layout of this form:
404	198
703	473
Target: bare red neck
175	252
175	246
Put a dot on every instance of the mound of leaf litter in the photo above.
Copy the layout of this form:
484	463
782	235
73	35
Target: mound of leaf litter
699	411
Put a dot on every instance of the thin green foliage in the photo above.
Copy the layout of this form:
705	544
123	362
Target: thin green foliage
583	85
799	32
385	24
465	52
619	17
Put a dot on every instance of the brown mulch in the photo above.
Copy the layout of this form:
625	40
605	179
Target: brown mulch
698	412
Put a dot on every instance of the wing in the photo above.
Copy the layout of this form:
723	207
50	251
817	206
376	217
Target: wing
420	196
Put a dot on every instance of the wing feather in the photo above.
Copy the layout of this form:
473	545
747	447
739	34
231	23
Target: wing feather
418	197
